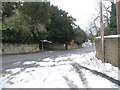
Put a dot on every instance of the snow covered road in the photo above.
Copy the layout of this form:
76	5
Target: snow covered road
62	72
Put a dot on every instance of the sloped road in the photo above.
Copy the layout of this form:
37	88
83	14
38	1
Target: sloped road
9	60
70	69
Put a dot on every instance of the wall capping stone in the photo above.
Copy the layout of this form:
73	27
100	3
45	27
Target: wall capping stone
110	36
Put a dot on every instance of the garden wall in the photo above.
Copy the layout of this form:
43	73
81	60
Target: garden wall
58	46
112	49
8	48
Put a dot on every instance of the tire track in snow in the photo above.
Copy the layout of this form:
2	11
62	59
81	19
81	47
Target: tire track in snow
78	66
69	82
82	76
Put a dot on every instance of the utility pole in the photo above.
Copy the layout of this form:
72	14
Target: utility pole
102	29
118	16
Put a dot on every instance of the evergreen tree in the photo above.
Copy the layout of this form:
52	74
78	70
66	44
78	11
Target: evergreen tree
111	29
80	35
61	27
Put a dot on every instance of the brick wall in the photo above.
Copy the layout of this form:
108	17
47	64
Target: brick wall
112	50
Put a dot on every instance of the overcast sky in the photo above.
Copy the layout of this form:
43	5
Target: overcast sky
82	10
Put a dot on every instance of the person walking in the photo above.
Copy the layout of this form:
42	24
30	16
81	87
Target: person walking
66	46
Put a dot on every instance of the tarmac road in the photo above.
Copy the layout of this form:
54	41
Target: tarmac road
9	60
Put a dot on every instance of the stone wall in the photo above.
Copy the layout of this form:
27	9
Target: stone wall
8	48
58	46
112	50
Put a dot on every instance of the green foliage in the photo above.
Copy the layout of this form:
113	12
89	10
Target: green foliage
15	33
80	35
38	12
111	29
91	37
39	36
13	30
113	16
61	27
34	21
8	9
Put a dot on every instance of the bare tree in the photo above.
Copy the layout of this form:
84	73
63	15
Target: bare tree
94	27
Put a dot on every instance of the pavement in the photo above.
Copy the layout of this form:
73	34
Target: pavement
9	60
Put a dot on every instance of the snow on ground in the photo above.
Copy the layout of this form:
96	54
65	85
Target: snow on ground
59	73
14	70
87	43
17	63
93	81
29	62
90	61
